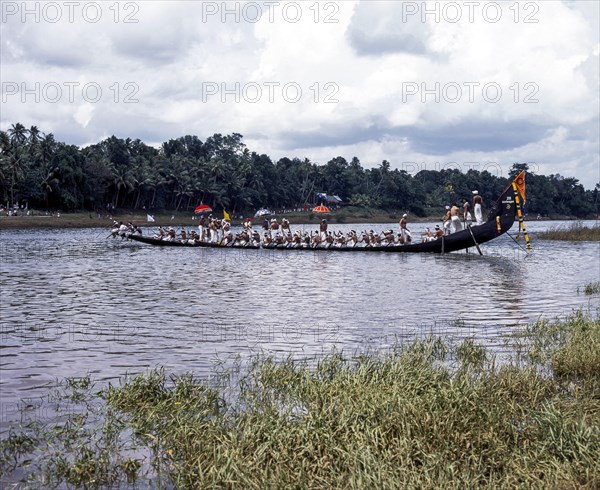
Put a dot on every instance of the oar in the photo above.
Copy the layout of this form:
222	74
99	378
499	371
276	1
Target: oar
475	241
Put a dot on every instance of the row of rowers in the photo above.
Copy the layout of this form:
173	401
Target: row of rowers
283	236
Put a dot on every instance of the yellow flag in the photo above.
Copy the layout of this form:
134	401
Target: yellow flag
226	215
520	183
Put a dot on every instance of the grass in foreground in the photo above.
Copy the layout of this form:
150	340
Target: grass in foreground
575	232
425	415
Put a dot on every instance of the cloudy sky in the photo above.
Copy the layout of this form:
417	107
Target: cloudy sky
424	85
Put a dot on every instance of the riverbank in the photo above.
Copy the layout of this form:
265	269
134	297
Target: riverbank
346	215
87	220
426	414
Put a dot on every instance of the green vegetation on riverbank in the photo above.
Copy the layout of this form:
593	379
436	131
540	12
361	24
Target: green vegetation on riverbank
346	215
423	415
36	171
575	232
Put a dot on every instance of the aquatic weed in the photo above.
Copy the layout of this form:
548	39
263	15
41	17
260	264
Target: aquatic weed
576	231
591	288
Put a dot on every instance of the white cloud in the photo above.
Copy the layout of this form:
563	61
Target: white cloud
186	63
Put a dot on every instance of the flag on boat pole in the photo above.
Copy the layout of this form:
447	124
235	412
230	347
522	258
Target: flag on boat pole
226	216
518	186
520	183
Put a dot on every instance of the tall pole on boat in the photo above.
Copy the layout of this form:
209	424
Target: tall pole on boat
520	215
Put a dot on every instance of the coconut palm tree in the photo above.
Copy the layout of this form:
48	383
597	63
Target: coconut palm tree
122	179
18	134
35	135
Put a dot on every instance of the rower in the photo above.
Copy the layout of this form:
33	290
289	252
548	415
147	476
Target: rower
366	238
351	239
274	227
288	238
427	236
228	239
389	237
266	241
316	239
297	240
241	238
329	239
375	239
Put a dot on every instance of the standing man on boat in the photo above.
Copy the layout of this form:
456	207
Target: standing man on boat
477	202
201	223
447	221
404	231
467	217
456	225
323	229
212	227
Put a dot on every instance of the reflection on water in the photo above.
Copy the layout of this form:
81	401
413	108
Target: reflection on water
73	302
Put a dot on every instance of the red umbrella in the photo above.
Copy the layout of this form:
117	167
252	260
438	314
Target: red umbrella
321	209
203	208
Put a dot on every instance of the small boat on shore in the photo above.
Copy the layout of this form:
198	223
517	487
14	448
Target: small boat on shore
501	218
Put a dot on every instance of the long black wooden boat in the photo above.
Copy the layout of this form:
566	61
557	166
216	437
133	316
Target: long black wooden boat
500	219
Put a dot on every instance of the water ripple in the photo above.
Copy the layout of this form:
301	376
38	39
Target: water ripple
73	302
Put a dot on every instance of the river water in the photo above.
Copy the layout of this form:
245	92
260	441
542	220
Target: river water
75	303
